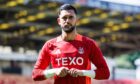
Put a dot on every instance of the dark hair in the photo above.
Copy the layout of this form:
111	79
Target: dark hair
67	7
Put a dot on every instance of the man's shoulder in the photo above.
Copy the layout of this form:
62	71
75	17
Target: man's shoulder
85	38
89	41
51	40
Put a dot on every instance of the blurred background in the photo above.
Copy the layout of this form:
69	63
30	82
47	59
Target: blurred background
25	25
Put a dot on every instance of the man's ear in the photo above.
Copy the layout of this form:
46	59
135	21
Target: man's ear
58	20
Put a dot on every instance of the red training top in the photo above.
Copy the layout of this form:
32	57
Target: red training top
78	53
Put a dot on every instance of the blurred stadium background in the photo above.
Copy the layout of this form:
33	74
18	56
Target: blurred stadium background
26	24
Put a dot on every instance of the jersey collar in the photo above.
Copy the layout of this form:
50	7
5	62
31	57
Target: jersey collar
78	37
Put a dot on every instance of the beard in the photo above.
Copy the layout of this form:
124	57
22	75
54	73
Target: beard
68	28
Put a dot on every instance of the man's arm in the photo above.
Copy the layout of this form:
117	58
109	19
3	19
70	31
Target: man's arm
76	72
41	64
40	71
96	57
61	72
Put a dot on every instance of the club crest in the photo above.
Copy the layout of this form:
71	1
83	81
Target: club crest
80	50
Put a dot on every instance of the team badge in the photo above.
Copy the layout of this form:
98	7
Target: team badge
81	50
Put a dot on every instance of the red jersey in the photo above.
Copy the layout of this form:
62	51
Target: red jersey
78	53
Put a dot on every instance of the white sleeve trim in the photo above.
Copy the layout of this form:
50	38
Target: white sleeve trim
89	73
49	72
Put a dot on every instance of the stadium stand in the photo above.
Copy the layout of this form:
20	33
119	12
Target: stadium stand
26	24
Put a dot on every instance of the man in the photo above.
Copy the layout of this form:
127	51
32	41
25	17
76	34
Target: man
70	54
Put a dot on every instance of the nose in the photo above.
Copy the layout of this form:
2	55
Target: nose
68	19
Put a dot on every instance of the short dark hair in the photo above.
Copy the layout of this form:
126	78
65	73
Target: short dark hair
67	7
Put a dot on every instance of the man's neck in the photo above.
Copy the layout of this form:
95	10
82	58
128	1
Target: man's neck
68	36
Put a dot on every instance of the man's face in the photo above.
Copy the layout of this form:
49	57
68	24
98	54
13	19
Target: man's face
67	20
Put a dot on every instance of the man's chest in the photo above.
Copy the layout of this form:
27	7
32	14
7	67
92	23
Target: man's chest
69	54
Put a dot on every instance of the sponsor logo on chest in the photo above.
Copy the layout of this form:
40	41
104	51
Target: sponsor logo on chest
70	61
